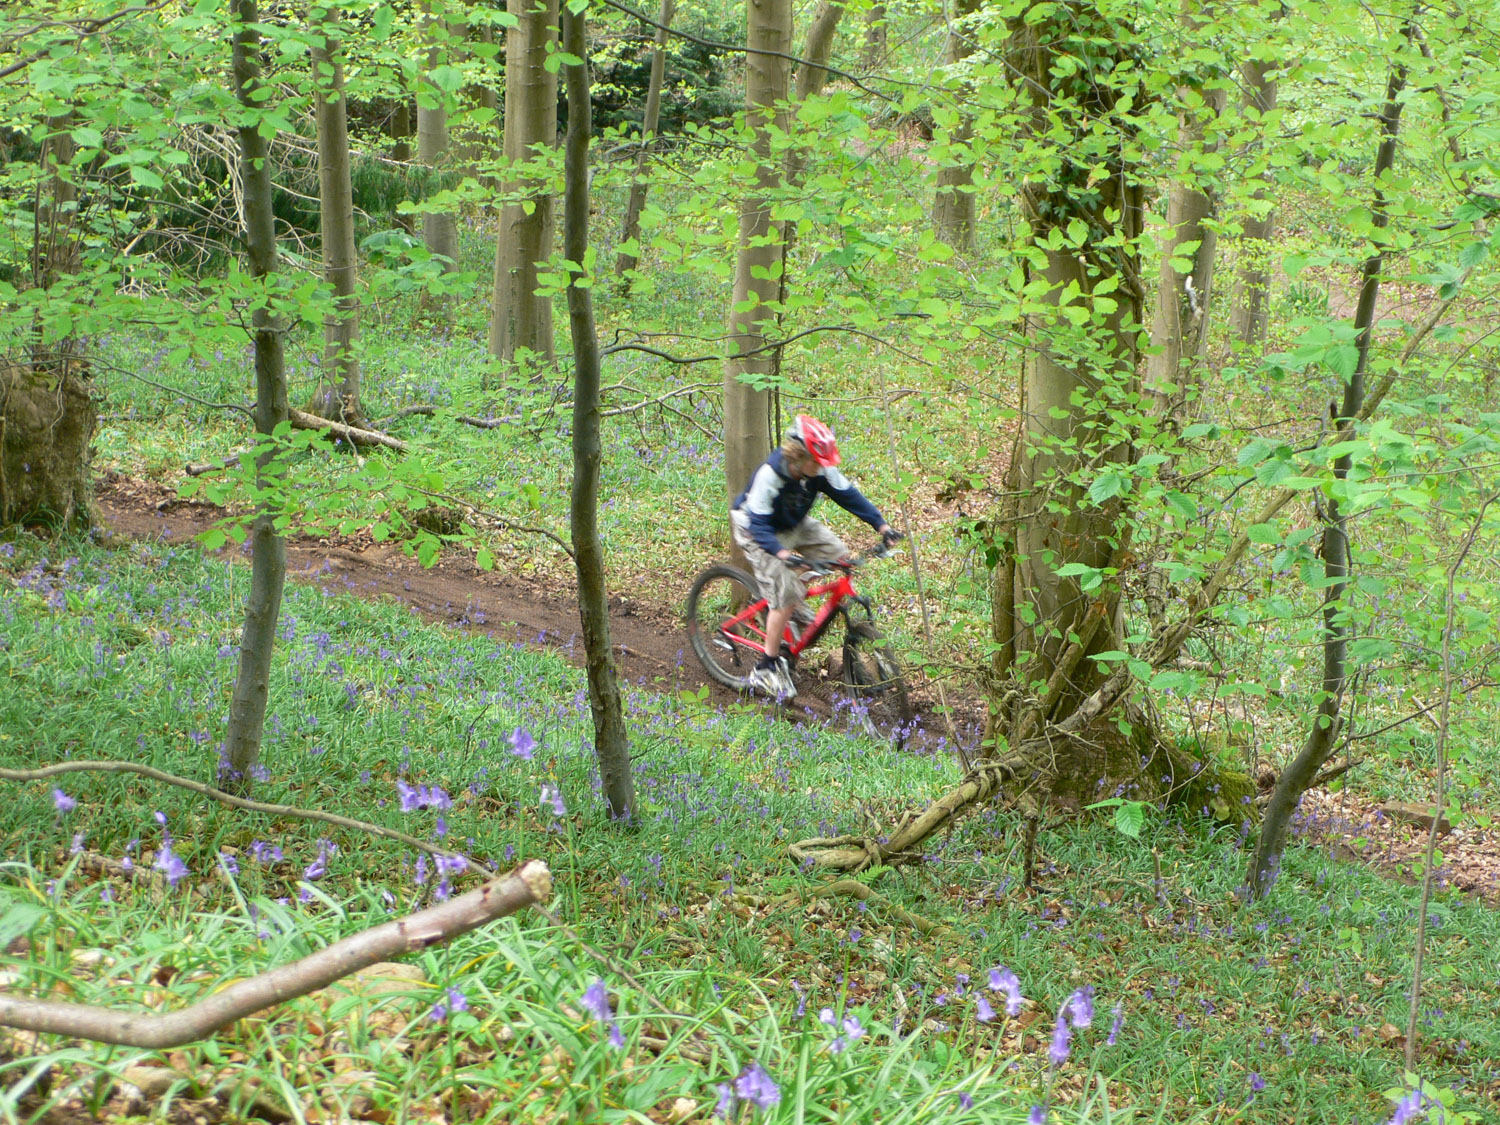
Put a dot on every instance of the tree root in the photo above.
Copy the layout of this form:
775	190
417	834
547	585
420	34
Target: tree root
837	853
852	888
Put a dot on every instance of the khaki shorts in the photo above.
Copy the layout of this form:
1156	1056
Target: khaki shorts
779	585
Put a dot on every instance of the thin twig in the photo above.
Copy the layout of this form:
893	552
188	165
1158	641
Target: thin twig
237	802
1437	798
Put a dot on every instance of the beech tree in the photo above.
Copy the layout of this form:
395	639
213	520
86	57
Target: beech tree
629	255
439	228
337	395
758	259
1185	285
521	318
954	206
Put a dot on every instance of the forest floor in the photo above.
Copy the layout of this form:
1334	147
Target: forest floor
651	650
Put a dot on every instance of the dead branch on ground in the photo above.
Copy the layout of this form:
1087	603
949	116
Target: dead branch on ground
528	885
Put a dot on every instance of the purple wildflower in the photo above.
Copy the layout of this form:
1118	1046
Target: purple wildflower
1003	980
1080	1007
1408	1109
170	865
1119	1022
409	798
1037	1116
756	1087
552	795
63	803
1257	1083
1062	1036
985	1012
457	1001
726	1106
965	1100
522	744
596	1002
230	864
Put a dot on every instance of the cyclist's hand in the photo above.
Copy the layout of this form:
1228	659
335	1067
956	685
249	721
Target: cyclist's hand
784	555
889	536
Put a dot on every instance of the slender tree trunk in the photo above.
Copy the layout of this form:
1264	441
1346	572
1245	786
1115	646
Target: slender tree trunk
873	51
954	208
1180	322
628	258
439	231
338	395
473	141
47	409
747	427
1249	313
519	319
611	745
812	75
401	130
247	707
1322	735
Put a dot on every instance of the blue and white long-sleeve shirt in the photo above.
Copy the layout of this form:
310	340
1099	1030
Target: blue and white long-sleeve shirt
774	502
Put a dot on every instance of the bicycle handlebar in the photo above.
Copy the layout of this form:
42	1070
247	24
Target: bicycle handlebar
851	563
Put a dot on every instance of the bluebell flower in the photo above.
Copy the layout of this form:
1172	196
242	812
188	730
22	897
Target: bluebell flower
522	744
755	1086
63	803
1062	1037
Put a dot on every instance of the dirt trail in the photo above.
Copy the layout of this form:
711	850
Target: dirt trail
650	642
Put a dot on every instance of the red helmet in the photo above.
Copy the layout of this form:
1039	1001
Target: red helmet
817	439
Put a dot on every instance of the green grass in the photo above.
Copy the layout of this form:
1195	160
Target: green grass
128	654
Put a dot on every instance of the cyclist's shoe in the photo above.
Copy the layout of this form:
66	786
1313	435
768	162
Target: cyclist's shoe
772	677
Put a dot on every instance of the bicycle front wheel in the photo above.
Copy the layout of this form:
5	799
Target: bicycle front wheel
873	671
727	654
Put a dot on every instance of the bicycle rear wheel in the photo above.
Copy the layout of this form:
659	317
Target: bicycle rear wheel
718	594
872	670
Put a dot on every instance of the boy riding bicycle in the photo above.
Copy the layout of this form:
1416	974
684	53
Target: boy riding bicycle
771	525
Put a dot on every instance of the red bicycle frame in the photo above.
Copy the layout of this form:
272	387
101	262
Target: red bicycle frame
837	590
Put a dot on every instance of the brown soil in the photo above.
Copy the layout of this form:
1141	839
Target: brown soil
646	630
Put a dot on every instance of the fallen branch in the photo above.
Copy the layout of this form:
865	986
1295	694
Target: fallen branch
837	853
528	885
352	434
236	802
425	408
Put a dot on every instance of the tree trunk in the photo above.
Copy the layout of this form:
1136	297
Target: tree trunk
439	231
1180	321
47	409
247	707
519	319
873	51
954	208
812	75
1322	735
401	130
1249	313
628	259
747	426
473	142
1065	438
337	396
611	745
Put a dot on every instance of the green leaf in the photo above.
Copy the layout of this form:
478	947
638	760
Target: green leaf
1263	533
1107	485
1130	817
